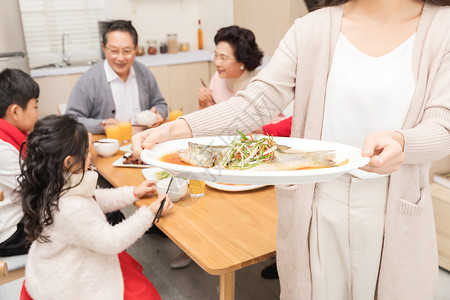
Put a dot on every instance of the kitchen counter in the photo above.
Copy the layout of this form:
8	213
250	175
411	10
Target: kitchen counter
148	60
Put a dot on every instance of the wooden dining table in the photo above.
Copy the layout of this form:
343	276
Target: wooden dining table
222	231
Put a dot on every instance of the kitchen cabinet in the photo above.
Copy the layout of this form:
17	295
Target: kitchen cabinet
269	20
54	90
179	84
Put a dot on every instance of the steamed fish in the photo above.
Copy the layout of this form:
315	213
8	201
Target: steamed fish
262	154
284	161
206	156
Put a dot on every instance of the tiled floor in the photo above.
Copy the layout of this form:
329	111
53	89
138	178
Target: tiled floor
155	252
443	292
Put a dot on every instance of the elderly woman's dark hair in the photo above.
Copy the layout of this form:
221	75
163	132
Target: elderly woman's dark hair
244	45
120	25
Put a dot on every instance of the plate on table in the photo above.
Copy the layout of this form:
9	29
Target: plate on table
233	187
343	153
120	163
126	148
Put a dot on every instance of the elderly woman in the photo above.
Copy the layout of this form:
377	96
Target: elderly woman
236	58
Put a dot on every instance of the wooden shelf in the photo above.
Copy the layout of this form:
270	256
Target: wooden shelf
441	206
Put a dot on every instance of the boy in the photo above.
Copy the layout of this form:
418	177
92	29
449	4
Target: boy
18	112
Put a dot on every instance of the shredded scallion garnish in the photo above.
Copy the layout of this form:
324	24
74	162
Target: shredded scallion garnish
246	152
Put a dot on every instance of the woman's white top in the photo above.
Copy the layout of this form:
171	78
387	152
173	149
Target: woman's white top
366	94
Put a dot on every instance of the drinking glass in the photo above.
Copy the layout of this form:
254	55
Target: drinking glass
125	131
113	132
196	188
174	114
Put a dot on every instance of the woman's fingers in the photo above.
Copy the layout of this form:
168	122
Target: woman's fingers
136	142
385	149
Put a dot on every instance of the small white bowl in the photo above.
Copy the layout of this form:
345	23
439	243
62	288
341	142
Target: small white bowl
106	147
177	190
146	118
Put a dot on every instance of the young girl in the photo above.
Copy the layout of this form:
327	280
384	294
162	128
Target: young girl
369	73
75	253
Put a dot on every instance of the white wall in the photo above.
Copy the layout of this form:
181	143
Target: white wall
154	19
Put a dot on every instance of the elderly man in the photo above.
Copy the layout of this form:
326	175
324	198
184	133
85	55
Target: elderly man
117	88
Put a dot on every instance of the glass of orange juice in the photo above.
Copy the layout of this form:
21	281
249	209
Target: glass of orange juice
174	114
125	131
196	188
113	132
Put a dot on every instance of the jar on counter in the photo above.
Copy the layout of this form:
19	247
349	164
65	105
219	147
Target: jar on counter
152	47
184	47
172	43
140	51
163	47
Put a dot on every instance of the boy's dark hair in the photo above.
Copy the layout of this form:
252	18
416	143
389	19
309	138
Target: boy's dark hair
120	25
244	45
16	87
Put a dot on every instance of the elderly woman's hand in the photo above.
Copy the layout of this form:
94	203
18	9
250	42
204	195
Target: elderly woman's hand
385	149
205	98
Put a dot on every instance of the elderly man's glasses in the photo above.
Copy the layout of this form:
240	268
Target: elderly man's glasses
117	52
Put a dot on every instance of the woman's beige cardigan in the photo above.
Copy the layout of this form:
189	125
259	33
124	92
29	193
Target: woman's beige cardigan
298	70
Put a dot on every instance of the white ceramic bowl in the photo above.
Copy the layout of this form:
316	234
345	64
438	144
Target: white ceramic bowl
106	147
177	190
146	117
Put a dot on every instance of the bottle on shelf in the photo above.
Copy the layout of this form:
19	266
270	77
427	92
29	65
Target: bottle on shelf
152	47
200	35
172	43
163	47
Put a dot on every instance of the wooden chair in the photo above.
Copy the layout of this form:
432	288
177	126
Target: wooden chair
12	272
12	268
12	275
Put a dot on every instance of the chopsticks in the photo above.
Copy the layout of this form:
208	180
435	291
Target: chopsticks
160	209
105	142
204	85
112	124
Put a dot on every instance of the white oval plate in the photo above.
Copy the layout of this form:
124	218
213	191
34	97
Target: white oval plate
126	148
120	163
231	187
343	152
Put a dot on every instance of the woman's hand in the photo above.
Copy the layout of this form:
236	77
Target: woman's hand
385	149
167	205
205	98
145	188
146	140
159	118
177	129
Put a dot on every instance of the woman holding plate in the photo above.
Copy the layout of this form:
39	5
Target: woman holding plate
372	74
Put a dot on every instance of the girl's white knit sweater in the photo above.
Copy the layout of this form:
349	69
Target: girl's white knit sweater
81	260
